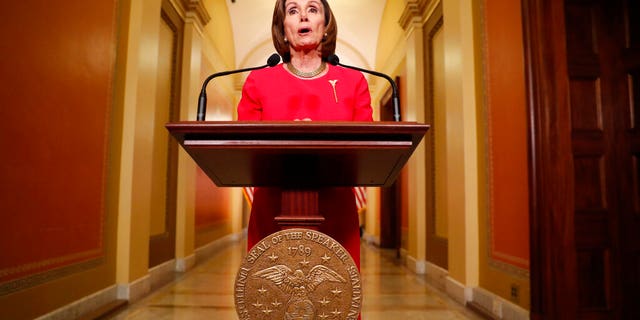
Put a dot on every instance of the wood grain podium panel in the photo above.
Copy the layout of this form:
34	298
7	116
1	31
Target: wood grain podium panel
299	154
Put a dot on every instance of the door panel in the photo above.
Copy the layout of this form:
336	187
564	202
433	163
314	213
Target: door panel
629	95
601	118
586	249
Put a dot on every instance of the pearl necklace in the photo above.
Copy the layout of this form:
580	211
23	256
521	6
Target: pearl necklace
311	74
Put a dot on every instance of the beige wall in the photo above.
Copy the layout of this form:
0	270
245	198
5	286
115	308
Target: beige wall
139	105
461	189
208	48
389	57
220	34
123	49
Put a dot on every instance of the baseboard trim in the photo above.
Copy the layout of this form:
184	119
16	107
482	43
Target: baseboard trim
106	311
436	276
185	264
162	274
496	307
481	311
481	301
205	252
416	266
135	290
371	239
457	291
111	299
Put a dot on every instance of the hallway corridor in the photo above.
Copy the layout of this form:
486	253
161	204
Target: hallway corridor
206	292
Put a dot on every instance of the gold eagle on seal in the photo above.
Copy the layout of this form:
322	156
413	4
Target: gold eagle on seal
299	286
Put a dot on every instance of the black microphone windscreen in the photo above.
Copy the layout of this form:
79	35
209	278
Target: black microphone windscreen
273	60
333	59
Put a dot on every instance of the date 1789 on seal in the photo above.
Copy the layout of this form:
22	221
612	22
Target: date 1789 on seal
297	274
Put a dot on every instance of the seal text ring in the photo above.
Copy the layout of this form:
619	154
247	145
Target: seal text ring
298	274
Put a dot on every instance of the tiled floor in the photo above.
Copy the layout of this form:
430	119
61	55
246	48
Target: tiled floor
206	292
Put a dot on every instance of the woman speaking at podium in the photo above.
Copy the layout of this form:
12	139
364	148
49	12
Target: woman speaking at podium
306	88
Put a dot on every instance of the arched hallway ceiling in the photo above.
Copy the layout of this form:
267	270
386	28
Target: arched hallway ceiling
358	28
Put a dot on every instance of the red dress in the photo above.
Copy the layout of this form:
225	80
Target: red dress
340	95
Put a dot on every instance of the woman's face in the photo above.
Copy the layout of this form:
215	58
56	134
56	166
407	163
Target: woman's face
304	24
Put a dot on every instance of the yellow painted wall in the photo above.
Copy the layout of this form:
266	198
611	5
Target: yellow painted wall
218	54
209	50
391	35
390	60
161	136
462	147
439	133
139	106
220	32
462	191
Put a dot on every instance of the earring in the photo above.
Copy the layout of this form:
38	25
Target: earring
285	40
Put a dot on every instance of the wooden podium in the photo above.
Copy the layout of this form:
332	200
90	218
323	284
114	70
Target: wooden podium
299	272
299	157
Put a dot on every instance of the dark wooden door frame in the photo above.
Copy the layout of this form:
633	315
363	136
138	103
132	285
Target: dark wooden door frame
553	228
550	146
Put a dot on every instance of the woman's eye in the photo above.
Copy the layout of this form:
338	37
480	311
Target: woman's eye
313	10
292	12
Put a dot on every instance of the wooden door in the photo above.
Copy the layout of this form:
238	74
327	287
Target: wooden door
583	61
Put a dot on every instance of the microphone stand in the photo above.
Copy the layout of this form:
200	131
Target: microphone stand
334	60
273	60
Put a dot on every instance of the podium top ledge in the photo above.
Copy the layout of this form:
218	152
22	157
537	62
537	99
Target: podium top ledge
299	153
286	126
296	128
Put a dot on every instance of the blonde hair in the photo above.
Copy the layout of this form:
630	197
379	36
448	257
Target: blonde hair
277	31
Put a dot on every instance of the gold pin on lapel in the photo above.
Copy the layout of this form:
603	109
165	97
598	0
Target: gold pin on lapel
333	85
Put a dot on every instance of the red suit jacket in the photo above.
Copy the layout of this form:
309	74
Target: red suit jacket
340	95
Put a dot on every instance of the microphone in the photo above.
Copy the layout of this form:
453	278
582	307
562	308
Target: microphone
334	60
273	60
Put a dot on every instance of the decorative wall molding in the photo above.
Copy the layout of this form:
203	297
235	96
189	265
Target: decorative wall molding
48	276
484	105
415	12
142	287
193	10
